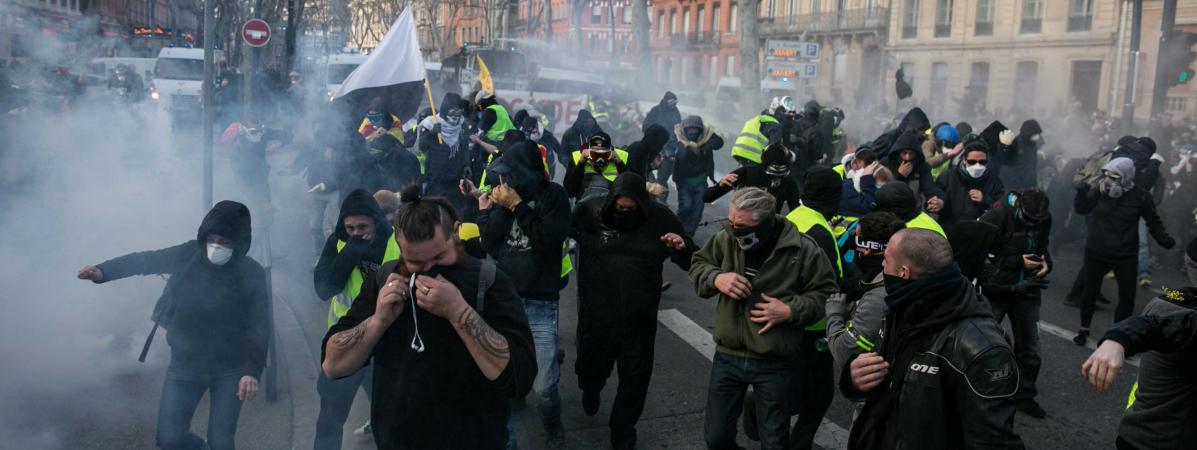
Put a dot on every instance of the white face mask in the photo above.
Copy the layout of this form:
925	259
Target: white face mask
854	175
975	170
219	254
945	149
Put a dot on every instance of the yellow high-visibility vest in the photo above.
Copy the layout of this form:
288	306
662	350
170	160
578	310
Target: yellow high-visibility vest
502	123
751	143
339	305
927	223
805	218
609	172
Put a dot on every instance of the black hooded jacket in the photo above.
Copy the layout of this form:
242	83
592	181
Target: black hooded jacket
620	260
333	268
642	153
920	177
958	205
695	158
914	121
784	189
821	191
663	114
952	374
217	317
897	198
583	128
444	164
527	242
1020	161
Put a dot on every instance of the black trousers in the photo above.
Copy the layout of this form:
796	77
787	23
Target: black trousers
1023	312
631	350
813	388
1094	269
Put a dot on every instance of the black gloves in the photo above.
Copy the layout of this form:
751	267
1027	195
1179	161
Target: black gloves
1030	285
1168	242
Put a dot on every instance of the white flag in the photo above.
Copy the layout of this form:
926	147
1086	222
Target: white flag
396	60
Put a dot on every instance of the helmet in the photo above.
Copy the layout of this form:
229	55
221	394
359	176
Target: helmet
788	103
947	133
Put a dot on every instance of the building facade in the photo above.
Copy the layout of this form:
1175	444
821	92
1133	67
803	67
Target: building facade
695	43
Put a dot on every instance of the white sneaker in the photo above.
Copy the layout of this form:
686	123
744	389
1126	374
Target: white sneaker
365	430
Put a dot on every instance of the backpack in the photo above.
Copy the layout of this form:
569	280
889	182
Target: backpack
1091	171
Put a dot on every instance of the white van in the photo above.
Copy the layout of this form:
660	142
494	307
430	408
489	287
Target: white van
179	78
336	68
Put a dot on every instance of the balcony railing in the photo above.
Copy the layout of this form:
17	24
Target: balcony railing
708	39
852	20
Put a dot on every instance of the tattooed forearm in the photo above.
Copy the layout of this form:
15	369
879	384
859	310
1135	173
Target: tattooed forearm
487	338
350	337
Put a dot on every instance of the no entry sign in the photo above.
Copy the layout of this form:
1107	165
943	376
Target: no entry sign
256	32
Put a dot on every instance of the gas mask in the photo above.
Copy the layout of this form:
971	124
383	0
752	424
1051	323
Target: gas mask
1111	185
252	133
533	135
219	254
751	237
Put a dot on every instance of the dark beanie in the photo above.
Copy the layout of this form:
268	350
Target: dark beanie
907	141
822	189
896	197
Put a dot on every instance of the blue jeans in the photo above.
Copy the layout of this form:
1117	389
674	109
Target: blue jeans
542	318
336	399
689	205
771	384
181	394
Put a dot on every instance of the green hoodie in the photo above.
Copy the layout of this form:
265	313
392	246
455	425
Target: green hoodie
796	273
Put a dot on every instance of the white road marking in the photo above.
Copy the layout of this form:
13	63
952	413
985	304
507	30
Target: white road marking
829	436
1056	330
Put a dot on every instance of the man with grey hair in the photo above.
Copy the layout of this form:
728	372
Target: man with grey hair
953	374
770	282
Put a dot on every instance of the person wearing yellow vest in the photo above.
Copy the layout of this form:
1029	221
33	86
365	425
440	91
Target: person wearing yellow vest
524	221
623	241
494	121
593	169
813	383
899	199
754	136
362	242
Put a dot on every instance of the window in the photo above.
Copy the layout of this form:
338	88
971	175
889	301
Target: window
978	84
792	9
672	21
626	13
1026	76
1032	17
714	69
1080	15
943	18
908	73
596	14
839	69
816	6
661	25
772	11
910	20
715	19
734	16
686	20
984	24
937	94
702	18
1177	104
731	66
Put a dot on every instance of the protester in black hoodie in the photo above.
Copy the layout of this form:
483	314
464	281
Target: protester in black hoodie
524	231
970	188
1020	160
915	122
666	115
446	334
392	166
908	165
444	142
944	376
772	175
623	242
216	309
1113	207
576	136
695	165
362	242
553	154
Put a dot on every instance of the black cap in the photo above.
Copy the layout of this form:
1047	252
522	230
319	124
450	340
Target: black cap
600	140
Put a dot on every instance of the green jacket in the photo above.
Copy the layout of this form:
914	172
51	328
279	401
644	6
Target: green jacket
796	273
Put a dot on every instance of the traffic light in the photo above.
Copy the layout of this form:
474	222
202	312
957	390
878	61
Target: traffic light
1177	53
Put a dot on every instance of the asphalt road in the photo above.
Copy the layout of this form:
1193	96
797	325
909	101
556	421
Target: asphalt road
673	416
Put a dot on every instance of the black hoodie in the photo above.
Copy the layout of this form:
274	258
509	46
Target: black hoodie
897	198
920	177
1020	161
913	122
620	260
333	269
664	114
642	153
821	191
956	184
217	316
527	243
583	128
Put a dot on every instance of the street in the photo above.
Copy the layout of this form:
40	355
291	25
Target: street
673	416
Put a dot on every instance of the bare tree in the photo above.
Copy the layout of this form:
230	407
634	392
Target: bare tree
641	31
546	10
750	44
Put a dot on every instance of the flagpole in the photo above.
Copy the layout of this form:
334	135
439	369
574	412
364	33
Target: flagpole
432	105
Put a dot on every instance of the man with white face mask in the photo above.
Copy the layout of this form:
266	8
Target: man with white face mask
1113	206
216	307
971	188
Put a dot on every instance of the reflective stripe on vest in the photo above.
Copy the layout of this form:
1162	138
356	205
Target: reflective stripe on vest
339	305
805	218
609	172
752	142
502	123
839	168
1130	400
927	223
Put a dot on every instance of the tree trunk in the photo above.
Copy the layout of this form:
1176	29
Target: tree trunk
750	63
548	20
641	32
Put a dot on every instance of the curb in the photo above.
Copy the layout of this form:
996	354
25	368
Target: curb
297	360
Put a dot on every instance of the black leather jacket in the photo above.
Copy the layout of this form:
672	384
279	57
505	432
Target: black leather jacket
951	379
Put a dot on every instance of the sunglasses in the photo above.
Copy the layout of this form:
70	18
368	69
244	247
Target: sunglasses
973	162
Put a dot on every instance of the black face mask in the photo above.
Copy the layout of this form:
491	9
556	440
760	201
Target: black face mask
624	220
869	265
753	237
